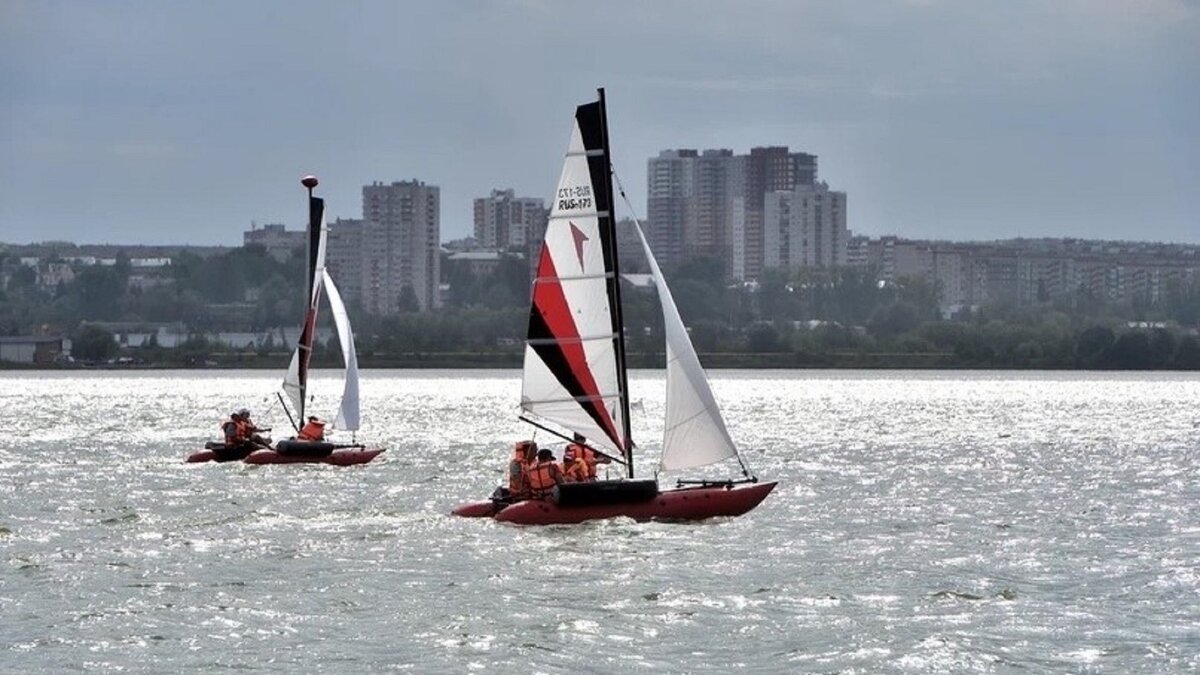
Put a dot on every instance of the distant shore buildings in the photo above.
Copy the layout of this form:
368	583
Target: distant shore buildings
1028	271
751	212
505	221
388	260
278	241
765	209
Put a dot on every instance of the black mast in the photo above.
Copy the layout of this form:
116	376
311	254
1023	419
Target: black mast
619	338
316	210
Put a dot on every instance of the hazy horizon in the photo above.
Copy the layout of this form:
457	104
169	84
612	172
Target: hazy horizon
180	124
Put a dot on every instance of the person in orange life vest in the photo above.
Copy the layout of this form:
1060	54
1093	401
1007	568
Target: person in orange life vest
574	467
580	453
524	454
237	445
232	429
314	430
248	432
543	475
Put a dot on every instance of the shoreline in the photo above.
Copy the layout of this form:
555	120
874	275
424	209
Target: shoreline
514	361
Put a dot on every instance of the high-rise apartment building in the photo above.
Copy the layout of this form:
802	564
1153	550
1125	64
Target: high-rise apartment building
688	204
710	203
401	241
766	170
804	227
344	257
506	221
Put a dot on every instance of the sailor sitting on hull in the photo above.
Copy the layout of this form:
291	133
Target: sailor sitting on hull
231	428
580	461
313	430
239	439
249	432
543	475
517	471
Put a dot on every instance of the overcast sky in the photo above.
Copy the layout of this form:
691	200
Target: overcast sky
169	122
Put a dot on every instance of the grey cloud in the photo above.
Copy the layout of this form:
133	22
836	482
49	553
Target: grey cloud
183	122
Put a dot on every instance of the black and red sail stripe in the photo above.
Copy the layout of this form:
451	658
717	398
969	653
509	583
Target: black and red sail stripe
555	338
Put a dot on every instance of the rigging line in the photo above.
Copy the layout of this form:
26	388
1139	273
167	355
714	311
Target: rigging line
272	406
568	439
288	413
621	189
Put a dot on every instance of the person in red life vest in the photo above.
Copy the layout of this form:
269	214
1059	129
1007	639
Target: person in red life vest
313	430
248	432
543	475
524	454
579	453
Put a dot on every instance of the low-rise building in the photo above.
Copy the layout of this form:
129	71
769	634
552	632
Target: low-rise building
39	349
275	238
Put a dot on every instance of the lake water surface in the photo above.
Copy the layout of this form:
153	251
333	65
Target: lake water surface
924	522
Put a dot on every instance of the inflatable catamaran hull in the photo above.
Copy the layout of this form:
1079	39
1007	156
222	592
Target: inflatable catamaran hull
341	457
338	457
686	503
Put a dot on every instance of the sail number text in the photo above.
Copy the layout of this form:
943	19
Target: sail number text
577	197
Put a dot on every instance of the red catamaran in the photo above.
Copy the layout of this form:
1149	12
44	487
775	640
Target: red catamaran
575	373
295	383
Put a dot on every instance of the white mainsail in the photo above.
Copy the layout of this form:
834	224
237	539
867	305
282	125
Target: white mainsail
347	416
694	431
572	375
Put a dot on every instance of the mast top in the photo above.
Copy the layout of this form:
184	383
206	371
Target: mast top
310	181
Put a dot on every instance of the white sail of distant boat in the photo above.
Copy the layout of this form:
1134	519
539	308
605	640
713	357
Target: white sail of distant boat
347	417
574	371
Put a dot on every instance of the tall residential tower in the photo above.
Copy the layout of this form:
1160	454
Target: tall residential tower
506	221
401	242
711	203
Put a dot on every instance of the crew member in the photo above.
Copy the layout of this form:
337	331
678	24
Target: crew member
249	432
232	428
236	445
314	430
524	454
543	475
573	465
579	452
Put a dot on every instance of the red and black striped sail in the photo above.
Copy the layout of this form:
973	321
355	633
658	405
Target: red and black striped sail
574	359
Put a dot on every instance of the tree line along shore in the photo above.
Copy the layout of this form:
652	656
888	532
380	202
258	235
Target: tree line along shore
818	318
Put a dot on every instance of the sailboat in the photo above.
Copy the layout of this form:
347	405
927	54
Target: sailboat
575	374
295	382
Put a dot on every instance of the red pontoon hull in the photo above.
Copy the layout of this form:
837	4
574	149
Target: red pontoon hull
208	456
687	503
343	457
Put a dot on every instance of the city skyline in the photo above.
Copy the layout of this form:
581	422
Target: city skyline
181	123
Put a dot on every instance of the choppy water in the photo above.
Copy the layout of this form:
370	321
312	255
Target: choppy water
946	522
